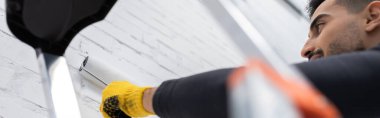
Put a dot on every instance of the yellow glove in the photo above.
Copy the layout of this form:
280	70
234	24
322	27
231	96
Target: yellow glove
123	98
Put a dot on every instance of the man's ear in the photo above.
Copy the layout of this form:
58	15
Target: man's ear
373	16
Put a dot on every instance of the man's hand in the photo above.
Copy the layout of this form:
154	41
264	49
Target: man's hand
123	99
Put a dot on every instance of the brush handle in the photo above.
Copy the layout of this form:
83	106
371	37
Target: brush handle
99	72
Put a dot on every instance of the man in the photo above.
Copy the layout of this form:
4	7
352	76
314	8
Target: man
344	50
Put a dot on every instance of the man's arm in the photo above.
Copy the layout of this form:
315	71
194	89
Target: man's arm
350	81
198	96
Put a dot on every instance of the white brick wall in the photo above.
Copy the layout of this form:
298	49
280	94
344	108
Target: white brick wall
150	40
21	93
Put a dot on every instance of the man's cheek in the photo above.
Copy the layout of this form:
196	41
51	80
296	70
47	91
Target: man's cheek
323	43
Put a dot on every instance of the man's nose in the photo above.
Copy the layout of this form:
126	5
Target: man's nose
306	50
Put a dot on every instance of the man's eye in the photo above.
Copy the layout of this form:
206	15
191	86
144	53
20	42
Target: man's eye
319	27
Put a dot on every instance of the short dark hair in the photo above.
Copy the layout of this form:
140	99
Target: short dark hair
352	5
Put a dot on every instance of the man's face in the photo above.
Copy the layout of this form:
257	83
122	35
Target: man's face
334	30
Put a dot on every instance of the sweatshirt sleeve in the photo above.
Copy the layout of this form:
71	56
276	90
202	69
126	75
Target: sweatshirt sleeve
350	81
198	96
